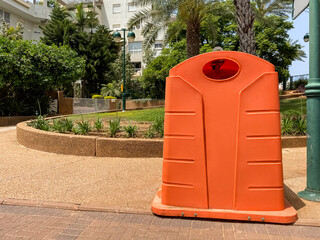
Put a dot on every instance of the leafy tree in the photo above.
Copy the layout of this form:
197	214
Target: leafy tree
273	44
59	28
12	33
154	75
99	51
133	87
28	71
97	48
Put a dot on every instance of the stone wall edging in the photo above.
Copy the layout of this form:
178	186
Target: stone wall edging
105	147
87	145
13	120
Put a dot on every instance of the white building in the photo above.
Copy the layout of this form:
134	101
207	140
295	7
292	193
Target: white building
31	14
113	13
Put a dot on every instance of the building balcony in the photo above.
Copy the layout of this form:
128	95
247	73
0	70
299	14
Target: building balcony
34	11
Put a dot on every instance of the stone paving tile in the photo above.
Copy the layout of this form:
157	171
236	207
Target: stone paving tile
24	222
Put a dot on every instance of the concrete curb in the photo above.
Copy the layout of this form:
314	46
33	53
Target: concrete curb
65	206
80	207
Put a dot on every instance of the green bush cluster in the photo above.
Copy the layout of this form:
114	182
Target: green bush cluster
96	97
110	97
293	125
28	71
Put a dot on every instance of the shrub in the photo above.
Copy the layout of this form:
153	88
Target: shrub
29	70
114	126
96	96
110	97
40	123
300	83
131	130
98	125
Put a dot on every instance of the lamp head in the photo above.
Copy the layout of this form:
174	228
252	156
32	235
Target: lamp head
306	37
131	36
117	36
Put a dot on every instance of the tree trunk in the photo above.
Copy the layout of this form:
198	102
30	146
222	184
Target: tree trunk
193	38
245	19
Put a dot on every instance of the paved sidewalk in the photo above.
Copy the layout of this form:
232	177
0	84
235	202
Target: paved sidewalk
20	222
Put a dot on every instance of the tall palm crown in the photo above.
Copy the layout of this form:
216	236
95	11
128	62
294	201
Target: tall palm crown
272	7
158	14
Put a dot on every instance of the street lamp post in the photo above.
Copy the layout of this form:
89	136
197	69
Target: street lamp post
312	191
117	38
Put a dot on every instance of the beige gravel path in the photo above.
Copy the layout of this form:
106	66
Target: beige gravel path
126	184
113	183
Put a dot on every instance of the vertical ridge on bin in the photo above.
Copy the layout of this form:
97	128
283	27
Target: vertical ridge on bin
184	171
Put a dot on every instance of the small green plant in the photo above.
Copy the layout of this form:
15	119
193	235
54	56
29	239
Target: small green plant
62	125
150	133
57	126
40	123
287	125
158	125
82	128
114	126
131	130
98	125
300	125
68	123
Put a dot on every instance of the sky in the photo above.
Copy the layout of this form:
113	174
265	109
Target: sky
301	27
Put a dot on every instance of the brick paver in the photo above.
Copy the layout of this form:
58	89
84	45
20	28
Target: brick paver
23	222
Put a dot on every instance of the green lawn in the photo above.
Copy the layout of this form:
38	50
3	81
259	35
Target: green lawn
295	106
136	115
287	106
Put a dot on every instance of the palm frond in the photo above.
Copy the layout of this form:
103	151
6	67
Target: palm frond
139	17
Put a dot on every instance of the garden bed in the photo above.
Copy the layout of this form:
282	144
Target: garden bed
87	145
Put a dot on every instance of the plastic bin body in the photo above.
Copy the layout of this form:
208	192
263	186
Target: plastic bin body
222	141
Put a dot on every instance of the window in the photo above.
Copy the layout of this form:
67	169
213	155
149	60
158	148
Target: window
4	15
137	67
135	47
132	7
116	26
116	8
7	17
158	46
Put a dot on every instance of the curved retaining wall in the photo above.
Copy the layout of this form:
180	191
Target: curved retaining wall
104	147
9	121
87	145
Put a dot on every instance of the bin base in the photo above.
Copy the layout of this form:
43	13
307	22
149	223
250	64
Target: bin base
288	215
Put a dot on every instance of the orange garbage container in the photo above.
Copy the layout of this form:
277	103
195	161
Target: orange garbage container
222	141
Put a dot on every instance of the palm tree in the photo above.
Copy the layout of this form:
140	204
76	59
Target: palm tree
158	14
245	19
80	16
272	7
110	89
